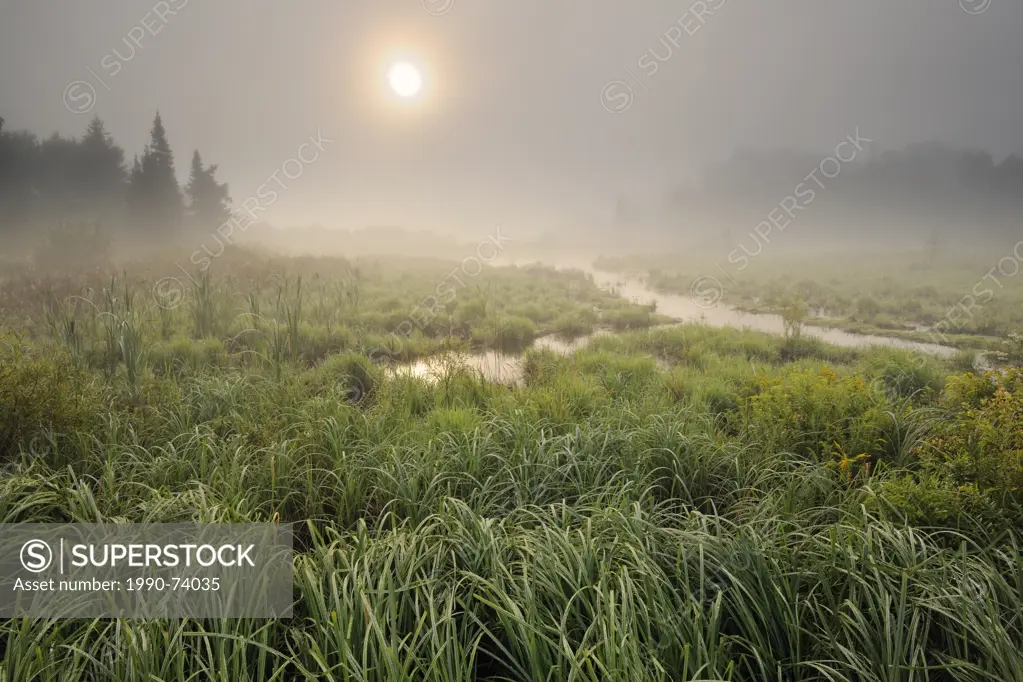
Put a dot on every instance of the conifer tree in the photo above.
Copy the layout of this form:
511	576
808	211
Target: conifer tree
100	173
209	202
155	194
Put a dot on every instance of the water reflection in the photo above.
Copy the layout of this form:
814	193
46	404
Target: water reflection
493	365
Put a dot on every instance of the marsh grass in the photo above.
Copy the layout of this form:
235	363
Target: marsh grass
669	504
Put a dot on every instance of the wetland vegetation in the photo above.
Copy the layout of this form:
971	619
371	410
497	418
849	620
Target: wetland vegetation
681	502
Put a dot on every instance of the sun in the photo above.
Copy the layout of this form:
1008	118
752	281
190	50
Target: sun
405	80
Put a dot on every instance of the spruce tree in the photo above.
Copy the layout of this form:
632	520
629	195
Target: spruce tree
100	173
209	203
156	195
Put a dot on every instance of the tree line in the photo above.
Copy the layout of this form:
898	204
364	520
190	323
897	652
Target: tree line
917	190
67	180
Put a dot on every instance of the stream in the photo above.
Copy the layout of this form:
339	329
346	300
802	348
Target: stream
506	368
722	315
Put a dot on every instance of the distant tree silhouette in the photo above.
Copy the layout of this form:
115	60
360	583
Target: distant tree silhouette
60	197
101	174
208	200
19	161
923	188
63	180
155	197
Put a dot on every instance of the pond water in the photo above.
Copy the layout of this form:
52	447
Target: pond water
496	366
506	368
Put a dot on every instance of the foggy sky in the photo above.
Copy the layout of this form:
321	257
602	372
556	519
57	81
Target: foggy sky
511	128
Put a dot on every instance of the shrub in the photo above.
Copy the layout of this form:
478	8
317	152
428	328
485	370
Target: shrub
934	500
40	397
971	468
971	391
793	315
809	412
983	443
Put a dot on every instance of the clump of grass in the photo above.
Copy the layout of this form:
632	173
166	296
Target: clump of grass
512	333
539	367
204	305
675	385
62	318
350	374
132	352
289	307
574	325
